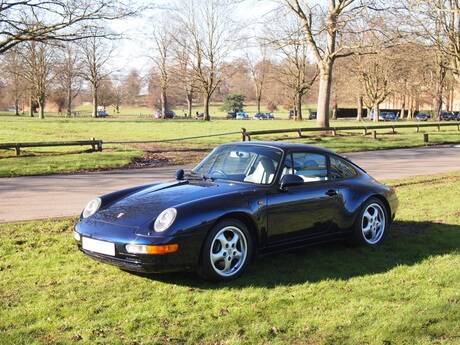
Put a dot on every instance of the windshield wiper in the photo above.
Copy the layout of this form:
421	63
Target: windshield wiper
206	177
198	177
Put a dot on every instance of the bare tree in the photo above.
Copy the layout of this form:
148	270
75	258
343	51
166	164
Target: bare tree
375	73
131	87
38	59
258	69
57	20
96	53
209	40
294	71
68	74
183	69
13	75
329	27
436	23
163	40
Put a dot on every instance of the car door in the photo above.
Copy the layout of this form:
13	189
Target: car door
304	210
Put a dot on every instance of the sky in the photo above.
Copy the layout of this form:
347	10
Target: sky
132	52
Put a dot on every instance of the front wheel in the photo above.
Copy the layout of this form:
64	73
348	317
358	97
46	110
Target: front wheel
372	223
226	252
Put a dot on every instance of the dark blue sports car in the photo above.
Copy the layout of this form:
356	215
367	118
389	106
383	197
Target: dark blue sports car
243	199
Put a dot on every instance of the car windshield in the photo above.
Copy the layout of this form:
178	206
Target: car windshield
241	163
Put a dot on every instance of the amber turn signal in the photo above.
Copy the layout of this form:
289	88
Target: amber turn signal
152	249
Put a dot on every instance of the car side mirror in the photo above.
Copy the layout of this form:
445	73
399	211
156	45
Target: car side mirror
180	174
290	180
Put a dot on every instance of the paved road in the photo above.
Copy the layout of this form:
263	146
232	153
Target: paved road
38	197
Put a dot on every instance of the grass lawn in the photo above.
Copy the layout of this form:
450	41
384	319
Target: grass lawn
406	291
54	160
214	110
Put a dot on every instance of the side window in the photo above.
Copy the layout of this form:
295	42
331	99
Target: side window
310	166
341	168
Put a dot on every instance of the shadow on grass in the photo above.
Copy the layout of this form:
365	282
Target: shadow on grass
407	243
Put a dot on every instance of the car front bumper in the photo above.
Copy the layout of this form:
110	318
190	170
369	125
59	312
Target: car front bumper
185	258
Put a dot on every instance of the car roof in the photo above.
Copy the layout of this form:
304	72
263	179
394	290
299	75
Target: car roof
286	146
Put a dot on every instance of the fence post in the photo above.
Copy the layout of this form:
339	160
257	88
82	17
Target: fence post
93	144
439	128
425	138
365	131
334	132
374	134
243	134
393	129
99	145
418	129
18	149
299	132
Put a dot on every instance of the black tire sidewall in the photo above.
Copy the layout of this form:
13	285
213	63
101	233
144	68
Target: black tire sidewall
205	268
357	234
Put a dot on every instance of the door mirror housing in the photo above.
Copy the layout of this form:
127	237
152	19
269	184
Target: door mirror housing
290	180
180	174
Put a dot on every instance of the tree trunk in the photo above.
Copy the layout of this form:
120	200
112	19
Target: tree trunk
69	102
259	99
299	107
189	104
334	108
42	109
403	106
207	117
359	113
376	112
410	115
438	104
95	100
32	107
16	106
324	95
164	103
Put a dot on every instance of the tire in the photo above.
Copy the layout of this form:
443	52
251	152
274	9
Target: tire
226	251
371	224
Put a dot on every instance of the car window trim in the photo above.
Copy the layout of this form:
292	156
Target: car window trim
291	154
278	168
354	166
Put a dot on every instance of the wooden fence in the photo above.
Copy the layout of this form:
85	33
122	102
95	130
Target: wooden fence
96	145
246	135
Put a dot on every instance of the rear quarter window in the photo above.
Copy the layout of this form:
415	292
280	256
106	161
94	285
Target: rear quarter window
340	168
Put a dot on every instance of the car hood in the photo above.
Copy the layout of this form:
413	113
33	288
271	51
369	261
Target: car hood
145	205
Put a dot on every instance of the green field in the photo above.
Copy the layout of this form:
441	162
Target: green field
214	110
70	159
407	291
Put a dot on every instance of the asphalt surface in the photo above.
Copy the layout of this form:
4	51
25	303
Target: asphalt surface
40	197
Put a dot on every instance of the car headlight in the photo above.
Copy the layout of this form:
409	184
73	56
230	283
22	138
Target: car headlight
92	207
165	219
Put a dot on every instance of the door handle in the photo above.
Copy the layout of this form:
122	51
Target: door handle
331	192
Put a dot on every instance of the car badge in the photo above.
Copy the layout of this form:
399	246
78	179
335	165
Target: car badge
121	214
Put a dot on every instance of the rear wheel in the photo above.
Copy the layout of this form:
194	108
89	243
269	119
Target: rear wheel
372	223
226	251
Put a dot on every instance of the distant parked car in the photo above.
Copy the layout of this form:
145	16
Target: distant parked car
260	116
270	116
231	115
422	117
169	114
101	113
456	115
447	116
242	115
388	116
312	115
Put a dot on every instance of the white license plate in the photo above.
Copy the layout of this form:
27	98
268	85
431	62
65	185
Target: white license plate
102	247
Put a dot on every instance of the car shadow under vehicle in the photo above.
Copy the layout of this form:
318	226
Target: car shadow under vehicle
407	243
